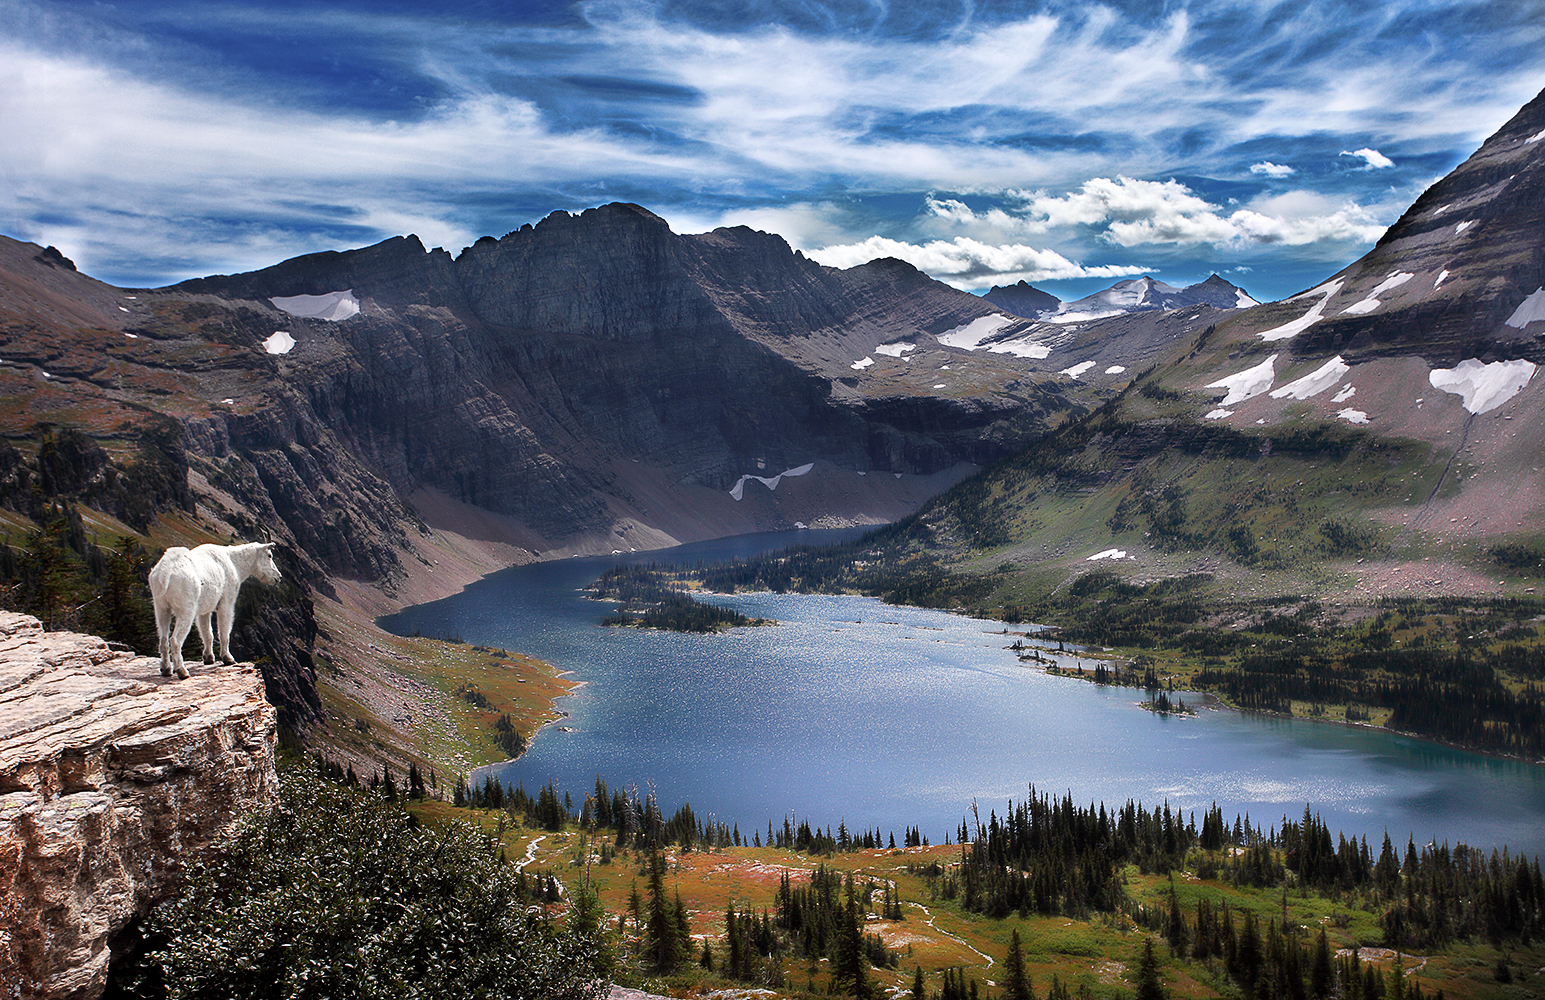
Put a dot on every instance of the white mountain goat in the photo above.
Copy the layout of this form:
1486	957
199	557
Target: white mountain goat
189	585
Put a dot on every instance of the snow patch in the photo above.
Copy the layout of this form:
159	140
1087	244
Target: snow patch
970	336
1021	349
1247	384
1352	416
333	307
1483	387
1441	276
1346	393
1220	413
1536	137
1108	554
861	364
1395	280
771	482
280	343
1077	370
1315	382
894	350
228	401
1530	310
938	385
131	336
1115	369
1308	319
1369	304
1243	301
1463	226
1081	317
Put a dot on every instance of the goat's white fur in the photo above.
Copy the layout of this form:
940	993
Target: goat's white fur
189	585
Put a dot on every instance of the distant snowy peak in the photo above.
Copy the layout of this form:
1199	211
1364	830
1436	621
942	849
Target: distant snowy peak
1146	294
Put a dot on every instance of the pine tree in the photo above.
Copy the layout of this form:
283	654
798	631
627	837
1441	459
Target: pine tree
1176	929
852	963
1149	985
661	945
1016	984
1321	973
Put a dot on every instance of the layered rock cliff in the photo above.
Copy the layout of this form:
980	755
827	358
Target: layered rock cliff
112	778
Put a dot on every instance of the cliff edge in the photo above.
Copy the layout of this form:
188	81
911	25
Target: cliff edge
111	777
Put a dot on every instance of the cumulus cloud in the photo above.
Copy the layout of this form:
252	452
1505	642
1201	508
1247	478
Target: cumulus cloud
1271	169
967	263
1374	159
1134	212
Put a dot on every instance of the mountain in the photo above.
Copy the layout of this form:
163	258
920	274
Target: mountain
403	420
1146	294
1023	299
1143	294
1378	434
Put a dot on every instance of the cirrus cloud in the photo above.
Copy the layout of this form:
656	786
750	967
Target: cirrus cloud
160	140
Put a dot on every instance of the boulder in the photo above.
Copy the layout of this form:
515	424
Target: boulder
112	778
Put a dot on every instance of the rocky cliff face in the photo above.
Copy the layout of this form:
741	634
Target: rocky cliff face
111	779
528	374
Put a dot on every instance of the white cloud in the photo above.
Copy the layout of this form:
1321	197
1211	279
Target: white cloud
133	146
1271	169
1134	212
967	263
1374	159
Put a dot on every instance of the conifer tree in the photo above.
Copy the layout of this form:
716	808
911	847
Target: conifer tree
661	945
1016	984
1149	985
1321	973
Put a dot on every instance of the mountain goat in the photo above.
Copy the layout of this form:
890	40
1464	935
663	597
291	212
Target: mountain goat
189	585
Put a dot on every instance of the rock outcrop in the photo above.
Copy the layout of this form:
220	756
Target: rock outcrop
111	778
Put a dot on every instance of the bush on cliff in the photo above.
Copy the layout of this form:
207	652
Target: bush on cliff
335	893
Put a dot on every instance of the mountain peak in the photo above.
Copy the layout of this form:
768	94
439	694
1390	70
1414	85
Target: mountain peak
1023	299
1451	273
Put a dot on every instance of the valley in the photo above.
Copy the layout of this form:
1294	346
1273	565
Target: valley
1323	508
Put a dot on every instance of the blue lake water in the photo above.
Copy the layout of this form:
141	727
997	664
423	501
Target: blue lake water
853	710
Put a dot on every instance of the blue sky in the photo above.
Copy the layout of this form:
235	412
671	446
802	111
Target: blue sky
1068	144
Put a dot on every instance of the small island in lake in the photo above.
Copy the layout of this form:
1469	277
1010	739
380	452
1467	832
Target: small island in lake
648	599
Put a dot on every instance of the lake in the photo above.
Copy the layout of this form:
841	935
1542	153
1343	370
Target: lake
883	717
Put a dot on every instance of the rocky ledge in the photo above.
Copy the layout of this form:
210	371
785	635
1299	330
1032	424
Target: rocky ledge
111	778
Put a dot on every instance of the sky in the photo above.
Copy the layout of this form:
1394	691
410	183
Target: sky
1065	144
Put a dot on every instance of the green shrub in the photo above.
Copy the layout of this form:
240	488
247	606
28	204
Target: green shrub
335	893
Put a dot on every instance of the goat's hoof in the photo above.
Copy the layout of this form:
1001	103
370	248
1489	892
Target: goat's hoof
182	672
227	659
208	660
166	671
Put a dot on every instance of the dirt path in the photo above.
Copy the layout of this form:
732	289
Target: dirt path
958	940
520	865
